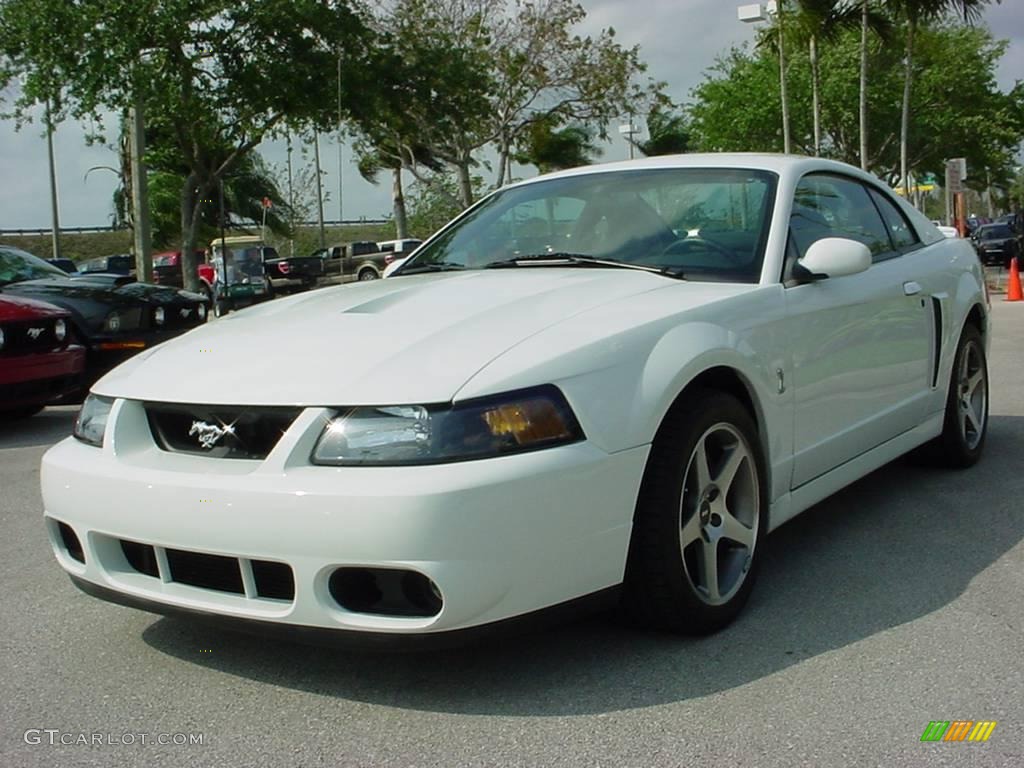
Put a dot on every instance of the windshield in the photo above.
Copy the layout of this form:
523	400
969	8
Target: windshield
996	233
17	265
708	223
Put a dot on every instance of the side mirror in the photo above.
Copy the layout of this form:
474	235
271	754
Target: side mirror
833	257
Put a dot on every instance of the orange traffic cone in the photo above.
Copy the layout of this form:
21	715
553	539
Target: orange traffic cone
1013	291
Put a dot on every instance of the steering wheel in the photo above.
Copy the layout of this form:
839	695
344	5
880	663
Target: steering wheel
680	247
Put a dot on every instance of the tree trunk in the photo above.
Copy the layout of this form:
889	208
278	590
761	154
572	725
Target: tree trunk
816	95
782	87
908	76
503	153
398	203
190	196
864	17
465	183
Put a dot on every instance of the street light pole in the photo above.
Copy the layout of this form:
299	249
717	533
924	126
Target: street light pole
54	211
756	12
140	192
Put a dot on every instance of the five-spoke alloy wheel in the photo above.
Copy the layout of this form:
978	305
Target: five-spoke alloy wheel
699	518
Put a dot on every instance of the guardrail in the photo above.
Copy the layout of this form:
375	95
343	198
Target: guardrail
95	230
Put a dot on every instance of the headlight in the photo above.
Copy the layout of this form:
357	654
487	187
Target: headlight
526	420
113	323
92	420
158	315
60	330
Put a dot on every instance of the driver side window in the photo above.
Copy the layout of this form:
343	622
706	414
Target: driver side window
825	205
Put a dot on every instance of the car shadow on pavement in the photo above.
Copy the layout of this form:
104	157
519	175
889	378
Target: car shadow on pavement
45	428
899	544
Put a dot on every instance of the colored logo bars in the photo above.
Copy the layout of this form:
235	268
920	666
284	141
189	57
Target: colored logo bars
958	730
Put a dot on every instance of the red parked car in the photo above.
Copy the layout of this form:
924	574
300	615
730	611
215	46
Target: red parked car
39	361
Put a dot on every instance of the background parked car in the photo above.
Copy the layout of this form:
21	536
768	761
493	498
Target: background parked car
359	260
122	264
284	274
67	265
113	322
996	244
39	360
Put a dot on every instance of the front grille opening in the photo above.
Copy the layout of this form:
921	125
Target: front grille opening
273	580
207	571
71	543
222	432
141	557
385	592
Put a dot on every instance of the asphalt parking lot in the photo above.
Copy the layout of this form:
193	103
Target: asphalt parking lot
894	603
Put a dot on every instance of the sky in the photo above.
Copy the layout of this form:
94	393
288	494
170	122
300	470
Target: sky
679	40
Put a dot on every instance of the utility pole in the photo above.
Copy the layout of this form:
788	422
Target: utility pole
291	202
140	192
319	189
341	199
54	212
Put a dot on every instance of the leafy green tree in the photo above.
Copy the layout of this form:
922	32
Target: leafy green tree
219	73
736	107
462	77
913	13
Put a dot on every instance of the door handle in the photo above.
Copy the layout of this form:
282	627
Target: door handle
911	288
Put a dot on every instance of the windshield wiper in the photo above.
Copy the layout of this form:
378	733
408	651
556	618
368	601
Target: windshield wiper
562	259
441	266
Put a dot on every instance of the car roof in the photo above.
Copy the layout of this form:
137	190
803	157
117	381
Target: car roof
783	165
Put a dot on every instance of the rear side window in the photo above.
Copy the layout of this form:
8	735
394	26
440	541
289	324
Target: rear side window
833	206
904	238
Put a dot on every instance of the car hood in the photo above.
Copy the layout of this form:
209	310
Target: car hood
401	340
21	308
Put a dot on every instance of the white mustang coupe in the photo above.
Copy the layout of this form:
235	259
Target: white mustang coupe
604	383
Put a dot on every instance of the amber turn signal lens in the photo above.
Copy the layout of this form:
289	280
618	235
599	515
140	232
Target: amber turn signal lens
527	422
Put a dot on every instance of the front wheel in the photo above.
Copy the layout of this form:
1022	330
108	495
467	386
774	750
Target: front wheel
220	308
699	519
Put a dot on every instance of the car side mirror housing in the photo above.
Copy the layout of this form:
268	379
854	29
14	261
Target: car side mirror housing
833	257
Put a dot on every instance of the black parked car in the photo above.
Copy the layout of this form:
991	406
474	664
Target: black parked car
112	319
67	265
996	244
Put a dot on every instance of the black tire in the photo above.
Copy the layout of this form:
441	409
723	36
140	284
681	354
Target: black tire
220	308
17	414
663	575
367	274
961	443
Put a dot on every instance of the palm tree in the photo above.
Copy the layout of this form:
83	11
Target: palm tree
914	13
816	21
668	133
552	148
390	156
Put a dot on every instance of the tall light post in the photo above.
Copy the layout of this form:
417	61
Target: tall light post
141	241
755	12
54	210
341	199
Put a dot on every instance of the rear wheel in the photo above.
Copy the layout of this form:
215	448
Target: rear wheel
367	274
966	420
220	308
699	519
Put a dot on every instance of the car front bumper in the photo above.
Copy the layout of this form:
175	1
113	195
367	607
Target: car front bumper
500	538
40	378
